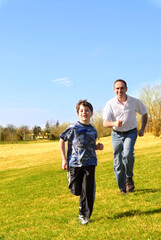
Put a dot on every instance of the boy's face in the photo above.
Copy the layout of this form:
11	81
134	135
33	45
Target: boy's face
84	114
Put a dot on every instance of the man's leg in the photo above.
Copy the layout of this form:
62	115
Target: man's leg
118	166
128	158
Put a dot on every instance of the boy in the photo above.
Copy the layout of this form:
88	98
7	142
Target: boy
81	159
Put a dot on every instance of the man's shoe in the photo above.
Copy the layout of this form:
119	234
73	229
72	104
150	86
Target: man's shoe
83	220
122	192
129	185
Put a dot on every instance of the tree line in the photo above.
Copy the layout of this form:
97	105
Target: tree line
11	133
150	95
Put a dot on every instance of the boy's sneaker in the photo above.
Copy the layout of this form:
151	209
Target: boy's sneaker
129	185
83	220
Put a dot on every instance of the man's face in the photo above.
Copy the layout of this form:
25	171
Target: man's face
120	89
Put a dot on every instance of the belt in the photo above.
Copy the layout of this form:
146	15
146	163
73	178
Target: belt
124	132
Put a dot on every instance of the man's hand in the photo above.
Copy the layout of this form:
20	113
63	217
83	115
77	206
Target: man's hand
119	123
141	133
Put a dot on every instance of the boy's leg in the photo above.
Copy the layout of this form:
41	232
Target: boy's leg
88	192
75	178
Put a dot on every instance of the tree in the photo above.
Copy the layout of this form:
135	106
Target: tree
9	133
151	96
47	129
36	131
57	129
23	132
1	130
57	124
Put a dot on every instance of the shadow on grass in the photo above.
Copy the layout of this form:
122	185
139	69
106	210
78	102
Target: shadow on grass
135	213
143	191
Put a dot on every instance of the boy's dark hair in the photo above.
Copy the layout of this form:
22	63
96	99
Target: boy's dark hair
85	104
120	80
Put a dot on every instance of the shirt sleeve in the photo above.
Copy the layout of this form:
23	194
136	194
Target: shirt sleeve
107	112
67	133
141	108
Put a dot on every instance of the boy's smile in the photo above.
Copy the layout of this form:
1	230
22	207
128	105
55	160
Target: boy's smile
84	114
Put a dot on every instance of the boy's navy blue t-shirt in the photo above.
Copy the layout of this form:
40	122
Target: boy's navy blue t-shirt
81	144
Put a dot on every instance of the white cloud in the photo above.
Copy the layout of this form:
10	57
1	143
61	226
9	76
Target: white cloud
63	81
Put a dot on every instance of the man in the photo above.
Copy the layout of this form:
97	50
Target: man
120	114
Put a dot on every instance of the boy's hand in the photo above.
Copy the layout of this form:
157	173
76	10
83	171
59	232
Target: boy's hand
64	164
99	146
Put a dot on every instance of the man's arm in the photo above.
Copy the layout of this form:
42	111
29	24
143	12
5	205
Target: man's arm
62	151
144	120
108	124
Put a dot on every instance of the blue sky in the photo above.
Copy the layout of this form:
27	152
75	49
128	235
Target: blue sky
55	52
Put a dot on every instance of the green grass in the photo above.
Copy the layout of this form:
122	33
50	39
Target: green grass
35	202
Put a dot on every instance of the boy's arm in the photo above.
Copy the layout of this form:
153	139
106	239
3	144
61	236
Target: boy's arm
62	151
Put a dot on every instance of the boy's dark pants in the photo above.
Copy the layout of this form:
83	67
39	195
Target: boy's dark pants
81	182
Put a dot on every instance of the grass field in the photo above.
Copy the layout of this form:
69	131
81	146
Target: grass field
35	202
